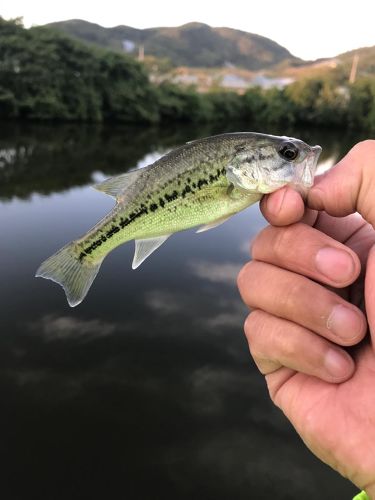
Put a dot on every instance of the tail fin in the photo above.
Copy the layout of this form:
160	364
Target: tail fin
65	268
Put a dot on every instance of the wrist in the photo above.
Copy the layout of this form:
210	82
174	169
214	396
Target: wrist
362	495
370	490
367	494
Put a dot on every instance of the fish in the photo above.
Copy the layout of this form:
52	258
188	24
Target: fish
202	183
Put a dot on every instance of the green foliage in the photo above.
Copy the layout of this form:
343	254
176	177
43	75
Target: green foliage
281	109
254	104
126	92
225	106
182	104
45	75
361	108
8	104
48	76
319	101
271	107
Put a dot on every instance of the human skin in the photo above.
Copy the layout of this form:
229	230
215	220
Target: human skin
312	275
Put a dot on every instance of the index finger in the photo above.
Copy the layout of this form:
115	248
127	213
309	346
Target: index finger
285	206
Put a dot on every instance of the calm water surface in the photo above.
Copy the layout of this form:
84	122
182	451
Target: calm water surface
146	390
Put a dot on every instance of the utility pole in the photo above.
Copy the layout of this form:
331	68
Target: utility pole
141	52
353	72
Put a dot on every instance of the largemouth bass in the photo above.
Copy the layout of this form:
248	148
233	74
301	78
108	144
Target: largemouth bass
202	183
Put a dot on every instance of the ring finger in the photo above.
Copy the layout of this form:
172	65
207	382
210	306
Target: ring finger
276	343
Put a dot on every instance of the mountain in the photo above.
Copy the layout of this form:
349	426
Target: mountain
366	59
343	68
193	44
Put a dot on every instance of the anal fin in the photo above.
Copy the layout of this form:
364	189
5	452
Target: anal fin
214	223
144	248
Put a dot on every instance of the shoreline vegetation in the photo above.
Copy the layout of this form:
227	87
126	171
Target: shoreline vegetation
47	76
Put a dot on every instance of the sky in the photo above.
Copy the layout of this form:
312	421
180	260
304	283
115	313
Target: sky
309	30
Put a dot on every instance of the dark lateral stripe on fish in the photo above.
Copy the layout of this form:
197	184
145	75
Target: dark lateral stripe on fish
153	207
187	187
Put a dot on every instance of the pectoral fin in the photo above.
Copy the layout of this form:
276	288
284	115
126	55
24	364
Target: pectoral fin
144	248
214	223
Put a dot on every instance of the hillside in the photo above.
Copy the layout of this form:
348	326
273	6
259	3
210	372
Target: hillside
46	75
366	59
338	68
192	45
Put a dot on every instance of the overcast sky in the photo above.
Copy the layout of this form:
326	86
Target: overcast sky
308	29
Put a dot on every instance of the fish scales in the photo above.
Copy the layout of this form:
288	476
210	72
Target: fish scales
194	196
201	183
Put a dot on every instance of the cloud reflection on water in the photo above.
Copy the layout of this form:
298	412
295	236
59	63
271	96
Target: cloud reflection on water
53	327
166	302
148	388
216	272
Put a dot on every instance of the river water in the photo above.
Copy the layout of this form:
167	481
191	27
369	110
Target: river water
146	390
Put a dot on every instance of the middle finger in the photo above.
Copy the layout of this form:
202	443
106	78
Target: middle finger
305	250
302	301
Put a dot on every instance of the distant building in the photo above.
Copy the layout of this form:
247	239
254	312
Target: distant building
128	46
235	82
240	83
231	79
267	83
185	79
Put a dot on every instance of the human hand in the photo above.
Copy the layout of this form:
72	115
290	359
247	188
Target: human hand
305	286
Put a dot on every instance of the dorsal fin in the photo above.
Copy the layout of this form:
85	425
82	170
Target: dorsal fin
118	185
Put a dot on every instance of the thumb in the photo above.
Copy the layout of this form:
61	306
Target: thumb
370	291
350	186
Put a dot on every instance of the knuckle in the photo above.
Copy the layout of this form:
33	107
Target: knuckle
288	244
288	297
273	243
287	347
267	338
246	279
243	276
253	331
362	156
284	239
367	146
261	241
253	325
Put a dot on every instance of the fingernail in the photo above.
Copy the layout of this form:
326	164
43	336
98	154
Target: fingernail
335	264
345	323
338	364
275	202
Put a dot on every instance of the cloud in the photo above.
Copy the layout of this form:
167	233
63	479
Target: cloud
165	302
232	315
53	327
216	272
210	387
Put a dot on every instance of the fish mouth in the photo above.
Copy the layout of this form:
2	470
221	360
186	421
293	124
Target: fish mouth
309	166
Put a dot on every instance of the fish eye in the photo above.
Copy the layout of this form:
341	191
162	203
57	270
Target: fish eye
288	151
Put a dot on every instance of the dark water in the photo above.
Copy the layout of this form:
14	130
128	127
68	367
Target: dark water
146	390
